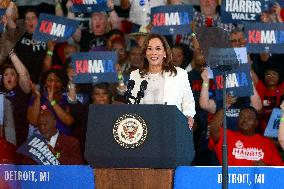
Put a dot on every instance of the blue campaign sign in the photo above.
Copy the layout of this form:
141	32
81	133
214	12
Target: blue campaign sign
265	37
238	82
56	28
171	20
37	149
226	56
46	177
239	177
273	123
81	6
237	11
94	67
281	3
33	2
2	12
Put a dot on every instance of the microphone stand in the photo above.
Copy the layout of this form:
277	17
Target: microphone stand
224	145
224	69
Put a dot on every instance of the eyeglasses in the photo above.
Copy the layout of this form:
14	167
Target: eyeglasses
236	40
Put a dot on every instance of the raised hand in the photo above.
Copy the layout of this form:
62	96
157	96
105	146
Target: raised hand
204	75
35	91
50	92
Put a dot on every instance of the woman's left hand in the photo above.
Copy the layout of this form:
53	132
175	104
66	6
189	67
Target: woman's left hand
190	121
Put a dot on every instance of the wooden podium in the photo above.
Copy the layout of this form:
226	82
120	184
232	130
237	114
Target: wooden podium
134	178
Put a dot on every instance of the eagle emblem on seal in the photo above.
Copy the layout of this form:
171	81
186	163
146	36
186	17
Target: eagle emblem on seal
130	130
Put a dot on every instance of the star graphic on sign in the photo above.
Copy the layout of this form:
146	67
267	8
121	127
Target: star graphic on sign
172	30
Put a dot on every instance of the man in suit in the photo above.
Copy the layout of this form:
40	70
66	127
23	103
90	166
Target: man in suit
65	148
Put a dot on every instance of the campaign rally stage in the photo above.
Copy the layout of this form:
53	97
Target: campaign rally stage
185	177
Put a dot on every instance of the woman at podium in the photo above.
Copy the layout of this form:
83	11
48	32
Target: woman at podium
159	82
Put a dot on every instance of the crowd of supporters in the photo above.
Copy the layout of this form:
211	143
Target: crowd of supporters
40	97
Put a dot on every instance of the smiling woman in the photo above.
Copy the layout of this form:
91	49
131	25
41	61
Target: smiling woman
167	84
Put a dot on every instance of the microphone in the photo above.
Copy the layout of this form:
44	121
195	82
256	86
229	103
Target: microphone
140	94
128	94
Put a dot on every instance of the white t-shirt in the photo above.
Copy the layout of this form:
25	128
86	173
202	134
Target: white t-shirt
140	10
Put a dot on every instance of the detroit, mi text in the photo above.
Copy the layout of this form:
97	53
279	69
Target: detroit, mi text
243	179
29	176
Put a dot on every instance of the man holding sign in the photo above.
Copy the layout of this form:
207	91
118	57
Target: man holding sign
65	149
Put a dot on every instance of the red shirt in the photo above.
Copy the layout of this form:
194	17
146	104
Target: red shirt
270	99
243	150
7	152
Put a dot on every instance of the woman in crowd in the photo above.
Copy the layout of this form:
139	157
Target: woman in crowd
15	85
270	92
166	84
101	94
31	52
53	83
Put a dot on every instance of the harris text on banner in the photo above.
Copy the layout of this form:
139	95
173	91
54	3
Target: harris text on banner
236	11
37	149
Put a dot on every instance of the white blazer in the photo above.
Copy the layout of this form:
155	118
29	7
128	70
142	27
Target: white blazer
177	90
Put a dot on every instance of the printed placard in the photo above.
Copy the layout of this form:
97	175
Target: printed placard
265	37
237	11
89	6
2	12
37	149
273	123
55	28
240	177
33	2
238	82
46	177
227	56
94	67
171	20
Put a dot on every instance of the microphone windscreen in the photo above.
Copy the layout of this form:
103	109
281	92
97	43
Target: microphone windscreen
144	84
130	84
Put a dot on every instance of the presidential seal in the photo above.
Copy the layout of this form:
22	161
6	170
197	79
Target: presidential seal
130	131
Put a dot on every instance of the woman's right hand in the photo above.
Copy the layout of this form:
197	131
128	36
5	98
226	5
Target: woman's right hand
35	91
204	75
50	45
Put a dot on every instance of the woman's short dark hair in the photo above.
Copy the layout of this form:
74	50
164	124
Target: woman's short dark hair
30	10
187	54
167	65
61	74
8	64
103	86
